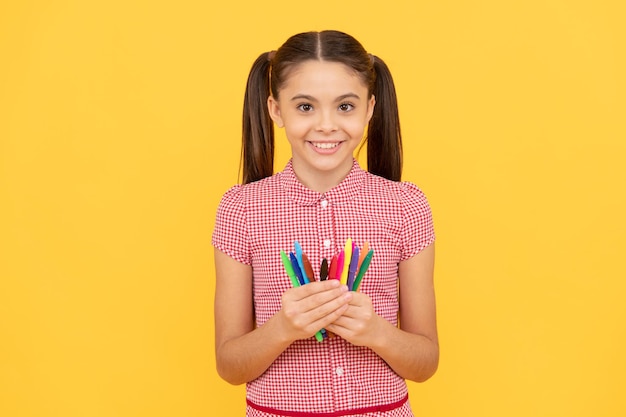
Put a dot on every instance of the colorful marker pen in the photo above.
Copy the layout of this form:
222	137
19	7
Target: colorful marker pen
289	269
340	262
346	261
324	270
332	269
296	267
353	266
298	249
362	270
364	250
308	268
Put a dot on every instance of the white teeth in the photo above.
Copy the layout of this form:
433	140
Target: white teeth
326	145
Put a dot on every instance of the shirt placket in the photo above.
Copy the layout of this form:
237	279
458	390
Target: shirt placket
340	374
325	228
337	356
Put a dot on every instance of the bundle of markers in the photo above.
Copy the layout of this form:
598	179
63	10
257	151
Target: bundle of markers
348	266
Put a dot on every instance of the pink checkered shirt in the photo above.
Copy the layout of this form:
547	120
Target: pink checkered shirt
257	220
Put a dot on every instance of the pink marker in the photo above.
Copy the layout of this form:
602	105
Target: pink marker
340	261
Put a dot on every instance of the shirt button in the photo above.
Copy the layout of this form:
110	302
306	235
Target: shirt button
324	203
339	371
327	243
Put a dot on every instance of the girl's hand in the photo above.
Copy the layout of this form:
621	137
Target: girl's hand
311	307
359	324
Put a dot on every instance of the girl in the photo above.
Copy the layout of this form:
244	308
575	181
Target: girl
324	89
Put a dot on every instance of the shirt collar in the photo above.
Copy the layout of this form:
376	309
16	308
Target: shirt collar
343	192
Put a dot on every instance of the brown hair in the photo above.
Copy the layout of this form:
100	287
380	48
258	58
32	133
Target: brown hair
268	73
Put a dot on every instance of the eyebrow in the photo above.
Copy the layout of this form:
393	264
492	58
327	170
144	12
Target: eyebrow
311	98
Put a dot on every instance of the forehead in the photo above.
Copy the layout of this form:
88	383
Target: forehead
323	76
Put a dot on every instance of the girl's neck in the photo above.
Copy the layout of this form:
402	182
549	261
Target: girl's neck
321	181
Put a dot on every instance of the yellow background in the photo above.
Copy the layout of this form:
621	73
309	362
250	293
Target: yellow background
119	132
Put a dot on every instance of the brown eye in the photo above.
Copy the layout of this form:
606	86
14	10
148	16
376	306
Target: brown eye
305	107
344	107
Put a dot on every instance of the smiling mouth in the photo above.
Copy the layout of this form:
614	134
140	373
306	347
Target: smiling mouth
325	145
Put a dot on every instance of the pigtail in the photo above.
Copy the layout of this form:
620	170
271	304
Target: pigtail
257	155
384	140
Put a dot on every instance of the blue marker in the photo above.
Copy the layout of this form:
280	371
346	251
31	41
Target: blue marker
300	261
296	267
289	269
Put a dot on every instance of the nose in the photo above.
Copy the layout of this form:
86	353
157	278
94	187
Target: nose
326	122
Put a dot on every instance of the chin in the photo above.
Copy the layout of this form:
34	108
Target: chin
332	166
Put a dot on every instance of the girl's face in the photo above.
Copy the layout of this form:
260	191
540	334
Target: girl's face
324	108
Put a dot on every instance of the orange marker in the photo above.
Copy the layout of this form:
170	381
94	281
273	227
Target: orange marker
362	254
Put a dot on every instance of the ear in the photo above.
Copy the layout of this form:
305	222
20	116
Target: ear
274	110
370	107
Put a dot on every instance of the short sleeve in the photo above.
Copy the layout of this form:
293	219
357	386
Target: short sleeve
230	234
417	228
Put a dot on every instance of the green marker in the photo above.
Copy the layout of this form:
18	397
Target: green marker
363	269
318	336
289	269
295	283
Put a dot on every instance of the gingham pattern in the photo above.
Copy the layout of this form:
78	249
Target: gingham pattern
254	222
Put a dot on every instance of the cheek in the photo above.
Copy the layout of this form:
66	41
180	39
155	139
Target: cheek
296	129
356	128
